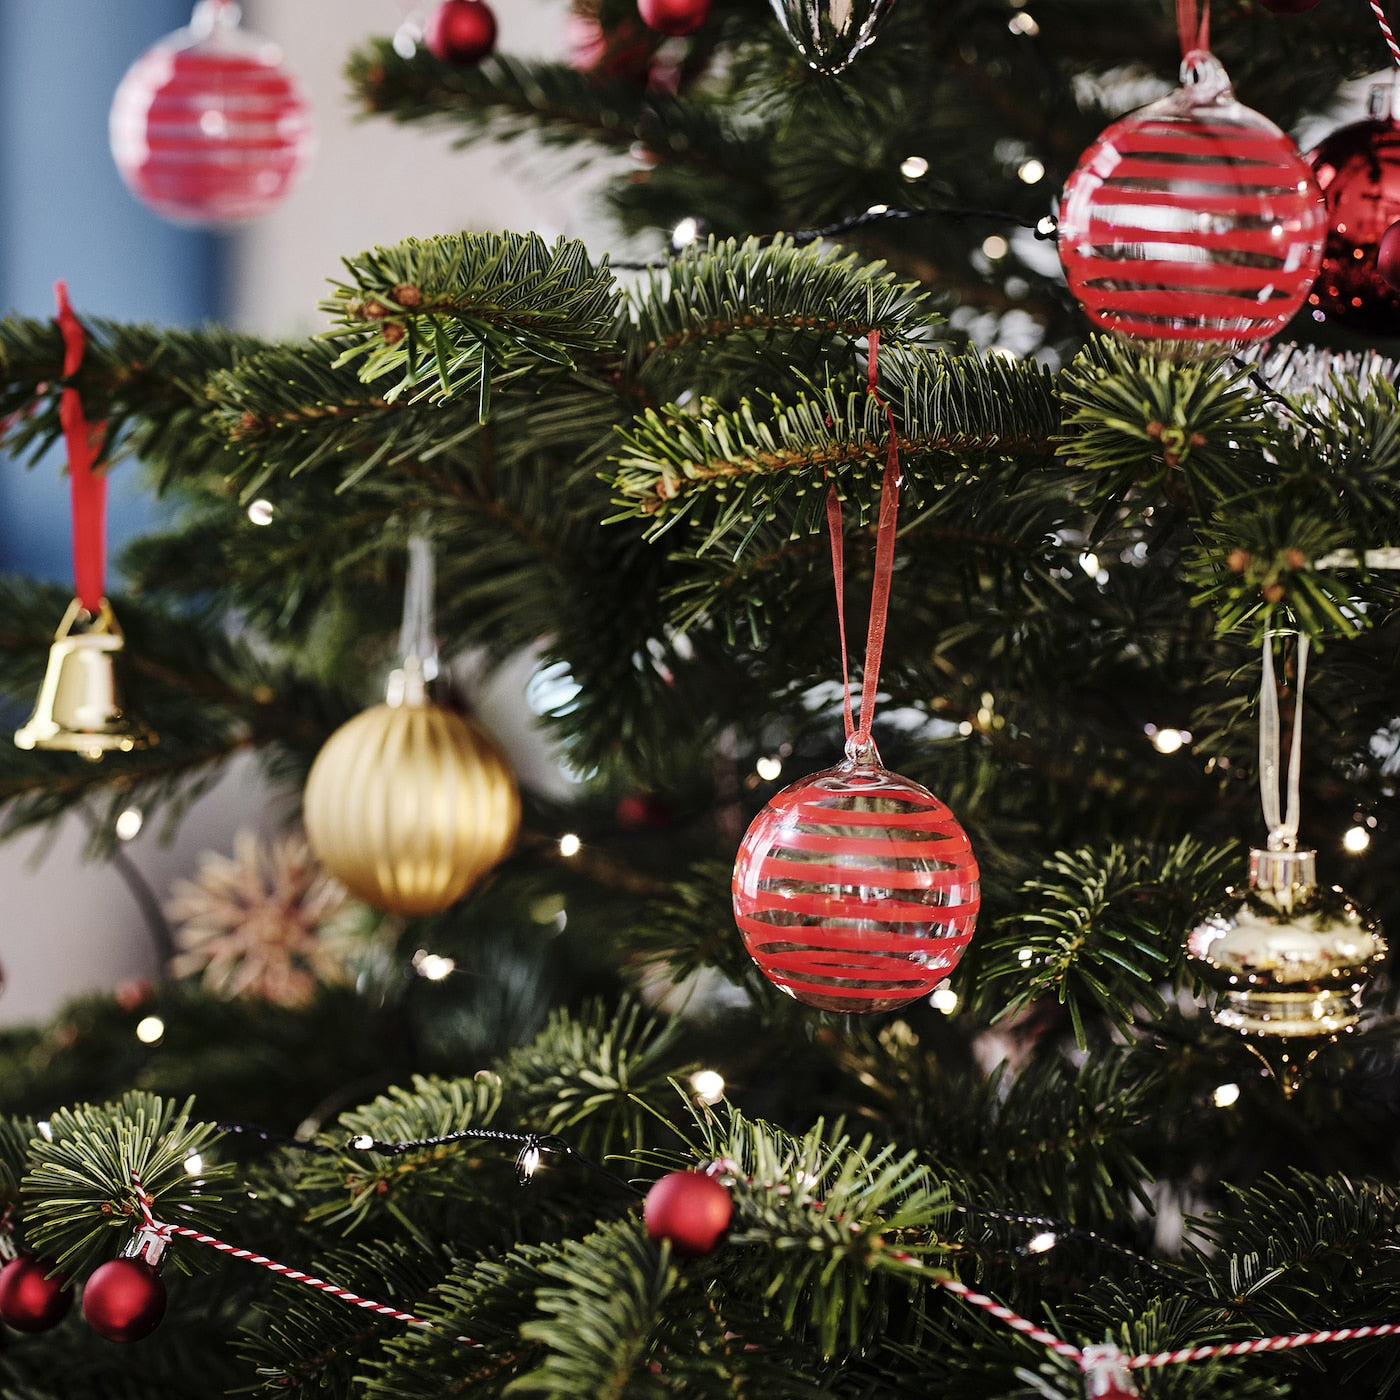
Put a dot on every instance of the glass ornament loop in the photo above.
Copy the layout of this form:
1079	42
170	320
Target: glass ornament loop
861	750
1204	79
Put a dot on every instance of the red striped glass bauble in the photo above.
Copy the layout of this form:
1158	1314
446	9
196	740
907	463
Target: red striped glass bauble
1193	226
856	889
209	127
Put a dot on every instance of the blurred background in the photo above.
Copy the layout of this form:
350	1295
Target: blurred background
70	926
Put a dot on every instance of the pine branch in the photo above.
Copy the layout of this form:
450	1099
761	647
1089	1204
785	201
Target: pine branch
458	310
82	1184
505	97
1101	931
729	470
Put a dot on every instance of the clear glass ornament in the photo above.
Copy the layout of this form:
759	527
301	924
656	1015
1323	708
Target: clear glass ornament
830	33
1194	226
856	889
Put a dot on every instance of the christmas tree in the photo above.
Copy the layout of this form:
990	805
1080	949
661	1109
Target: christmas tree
547	1119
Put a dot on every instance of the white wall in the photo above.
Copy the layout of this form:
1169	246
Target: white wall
71	926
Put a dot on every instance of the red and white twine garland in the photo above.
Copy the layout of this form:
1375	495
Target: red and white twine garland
1095	1361
1379	11
334	1290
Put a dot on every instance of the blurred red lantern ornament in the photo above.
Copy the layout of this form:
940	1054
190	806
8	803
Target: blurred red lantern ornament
1193	226
689	1209
674	17
1358	170
461	31
32	1297
856	889
209	127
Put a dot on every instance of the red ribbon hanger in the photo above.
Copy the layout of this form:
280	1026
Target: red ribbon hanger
1193	26
88	486
884	569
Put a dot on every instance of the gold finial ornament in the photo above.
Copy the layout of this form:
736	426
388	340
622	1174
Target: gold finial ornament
80	707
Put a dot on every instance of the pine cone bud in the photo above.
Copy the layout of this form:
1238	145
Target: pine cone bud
1155	430
392	332
374	310
406	294
1296	559
1198	439
1238	561
1273	592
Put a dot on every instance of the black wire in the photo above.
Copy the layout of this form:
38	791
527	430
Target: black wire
1046	228
1063	1227
526	1143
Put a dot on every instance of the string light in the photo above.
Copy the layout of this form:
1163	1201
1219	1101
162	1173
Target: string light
433	966
768	768
1225	1095
260	512
45	1129
1042	1243
1356	839
1025	956
150	1030
1023	24
569	844
1168	740
995	247
1030	172
194	1163
707	1085
913	167
943	998
1089	562
685	232
128	823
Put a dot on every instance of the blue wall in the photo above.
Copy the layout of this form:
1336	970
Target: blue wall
64	212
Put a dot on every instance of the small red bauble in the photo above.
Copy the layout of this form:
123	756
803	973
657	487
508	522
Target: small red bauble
124	1300
31	1301
690	1209
1193	226
856	889
461	31
1358	169
674	17
209	127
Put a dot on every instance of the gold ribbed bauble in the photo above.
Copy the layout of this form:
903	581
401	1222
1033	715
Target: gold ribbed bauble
409	805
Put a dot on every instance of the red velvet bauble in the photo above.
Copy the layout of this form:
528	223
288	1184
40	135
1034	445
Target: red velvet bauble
690	1209
209	127
856	889
674	17
461	31
30	1301
124	1300
1358	169
1192	227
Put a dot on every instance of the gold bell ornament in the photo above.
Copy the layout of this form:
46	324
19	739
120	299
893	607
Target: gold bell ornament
80	707
409	804
1287	957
